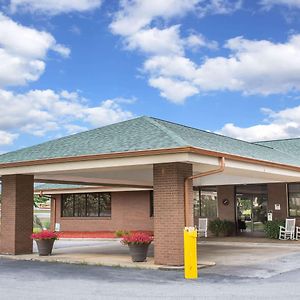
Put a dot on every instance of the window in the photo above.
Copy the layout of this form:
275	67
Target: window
86	205
208	206
151	204
294	199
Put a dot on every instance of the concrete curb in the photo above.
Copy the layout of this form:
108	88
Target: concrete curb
52	259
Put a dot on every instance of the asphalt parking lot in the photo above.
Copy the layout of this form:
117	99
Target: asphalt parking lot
243	259
38	280
265	275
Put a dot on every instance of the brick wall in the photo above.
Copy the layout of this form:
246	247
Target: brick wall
168	185
130	211
277	194
226	212
16	214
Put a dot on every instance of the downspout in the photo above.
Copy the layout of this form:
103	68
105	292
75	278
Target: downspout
187	221
54	212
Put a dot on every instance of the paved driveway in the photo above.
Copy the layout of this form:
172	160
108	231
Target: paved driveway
36	280
250	260
243	259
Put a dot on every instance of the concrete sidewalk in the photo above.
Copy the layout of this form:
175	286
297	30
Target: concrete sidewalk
244	257
101	253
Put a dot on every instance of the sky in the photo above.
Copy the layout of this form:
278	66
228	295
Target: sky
231	66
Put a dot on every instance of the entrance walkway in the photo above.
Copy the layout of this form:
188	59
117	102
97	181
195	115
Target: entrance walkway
108	252
243	257
250	257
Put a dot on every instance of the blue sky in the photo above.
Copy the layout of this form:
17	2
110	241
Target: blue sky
231	67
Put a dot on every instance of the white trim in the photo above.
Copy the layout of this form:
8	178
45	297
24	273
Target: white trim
87	190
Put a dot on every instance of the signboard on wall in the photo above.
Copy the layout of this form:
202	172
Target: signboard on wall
270	216
277	206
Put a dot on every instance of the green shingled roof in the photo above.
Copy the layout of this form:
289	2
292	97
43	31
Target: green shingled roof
289	146
145	133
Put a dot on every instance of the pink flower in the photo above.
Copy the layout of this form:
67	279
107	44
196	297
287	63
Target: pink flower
137	238
44	235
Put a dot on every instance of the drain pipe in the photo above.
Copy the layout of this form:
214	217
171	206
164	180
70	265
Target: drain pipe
187	221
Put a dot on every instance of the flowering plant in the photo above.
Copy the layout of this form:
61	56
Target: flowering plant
45	235
138	238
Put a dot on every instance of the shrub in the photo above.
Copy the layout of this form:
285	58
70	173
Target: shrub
221	227
228	227
121	233
138	238
272	228
215	226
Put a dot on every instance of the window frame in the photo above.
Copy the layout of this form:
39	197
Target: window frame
288	200
85	216
201	188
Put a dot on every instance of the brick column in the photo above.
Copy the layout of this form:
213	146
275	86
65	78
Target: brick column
168	186
277	194
16	214
226	212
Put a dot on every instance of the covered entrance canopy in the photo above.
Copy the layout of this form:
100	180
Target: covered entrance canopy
139	153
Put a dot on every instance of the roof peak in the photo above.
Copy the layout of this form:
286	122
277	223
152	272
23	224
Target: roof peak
202	130
143	133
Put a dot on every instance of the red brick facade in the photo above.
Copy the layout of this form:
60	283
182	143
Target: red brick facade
168	185
226	212
277	194
16	214
129	211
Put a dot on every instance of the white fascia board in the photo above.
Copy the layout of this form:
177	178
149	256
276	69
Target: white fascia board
240	165
90	180
193	158
96	164
87	190
225	179
243	166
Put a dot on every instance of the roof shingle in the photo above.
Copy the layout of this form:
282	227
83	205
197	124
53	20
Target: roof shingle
145	133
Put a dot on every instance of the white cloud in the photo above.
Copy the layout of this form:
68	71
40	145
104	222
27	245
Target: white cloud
252	67
176	90
289	3
196	41
171	66
156	41
137	14
7	138
54	7
142	25
48	111
221	7
23	52
108	112
278	125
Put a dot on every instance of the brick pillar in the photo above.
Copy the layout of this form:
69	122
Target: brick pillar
168	186
16	214
277	194
226	212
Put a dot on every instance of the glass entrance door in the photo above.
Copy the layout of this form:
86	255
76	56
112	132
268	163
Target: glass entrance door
251	208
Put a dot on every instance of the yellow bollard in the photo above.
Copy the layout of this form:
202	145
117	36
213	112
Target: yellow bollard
190	253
